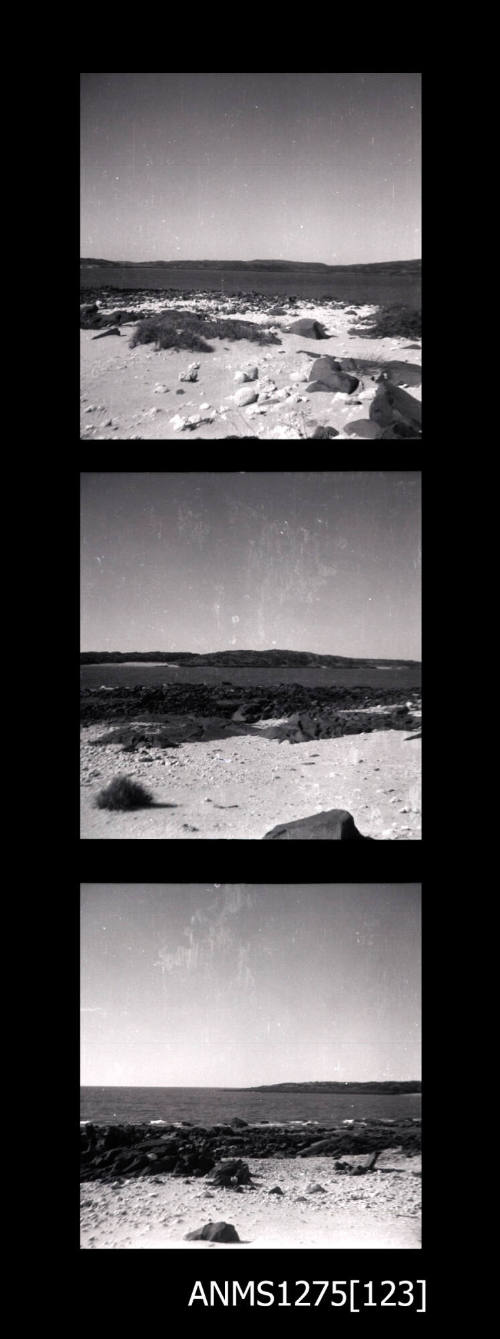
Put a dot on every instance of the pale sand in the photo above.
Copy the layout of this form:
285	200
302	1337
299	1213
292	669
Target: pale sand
117	382
378	1210
242	786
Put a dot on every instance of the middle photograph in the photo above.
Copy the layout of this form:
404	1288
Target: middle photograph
250	655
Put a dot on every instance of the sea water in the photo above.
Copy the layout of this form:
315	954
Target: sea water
214	1106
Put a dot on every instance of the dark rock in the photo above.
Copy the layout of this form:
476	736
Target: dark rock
237	1120
321	367
323	431
275	1190
231	1172
213	1232
329	825
399	373
362	427
312	329
396	431
324	376
393	406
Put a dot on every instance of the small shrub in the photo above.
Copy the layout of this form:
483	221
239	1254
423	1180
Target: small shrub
122	793
165	332
189	330
392	321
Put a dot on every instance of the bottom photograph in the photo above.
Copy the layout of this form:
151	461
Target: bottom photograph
250	1066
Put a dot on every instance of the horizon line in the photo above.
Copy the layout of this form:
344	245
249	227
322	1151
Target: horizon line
243	1087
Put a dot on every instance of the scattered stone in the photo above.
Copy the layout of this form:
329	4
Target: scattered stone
330	825
247	374
213	1232
162	390
191	374
313	1189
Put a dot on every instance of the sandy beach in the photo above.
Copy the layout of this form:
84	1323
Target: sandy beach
138	392
242	786
379	1210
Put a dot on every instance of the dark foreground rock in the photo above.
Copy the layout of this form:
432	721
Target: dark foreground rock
335	825
109	1152
213	1232
231	1172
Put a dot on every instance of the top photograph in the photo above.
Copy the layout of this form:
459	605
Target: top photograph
250	256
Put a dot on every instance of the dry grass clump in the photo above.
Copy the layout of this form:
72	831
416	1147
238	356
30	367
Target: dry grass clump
122	793
189	330
392	321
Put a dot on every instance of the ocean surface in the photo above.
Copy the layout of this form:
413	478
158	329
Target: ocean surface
214	1106
346	287
127	674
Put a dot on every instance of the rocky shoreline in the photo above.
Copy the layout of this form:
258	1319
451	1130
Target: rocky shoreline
111	1151
306	713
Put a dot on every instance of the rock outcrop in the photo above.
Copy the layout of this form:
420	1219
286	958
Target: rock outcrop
109	1152
330	825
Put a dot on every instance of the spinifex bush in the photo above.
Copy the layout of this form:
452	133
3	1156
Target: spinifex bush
122	793
392	321
189	330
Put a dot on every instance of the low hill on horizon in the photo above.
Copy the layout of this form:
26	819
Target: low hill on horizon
388	1086
287	265
271	658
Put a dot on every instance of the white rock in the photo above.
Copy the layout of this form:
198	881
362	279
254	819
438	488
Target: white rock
178	422
159	389
191	374
247	374
245	396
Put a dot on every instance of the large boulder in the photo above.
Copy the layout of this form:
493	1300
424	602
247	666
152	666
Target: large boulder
325	431
326	373
305	326
393	406
213	1232
330	825
399	373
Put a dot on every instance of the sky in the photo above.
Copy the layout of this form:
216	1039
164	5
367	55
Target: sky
327	561
305	167
194	985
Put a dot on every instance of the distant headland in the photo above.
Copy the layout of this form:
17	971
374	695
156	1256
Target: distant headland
387	1086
